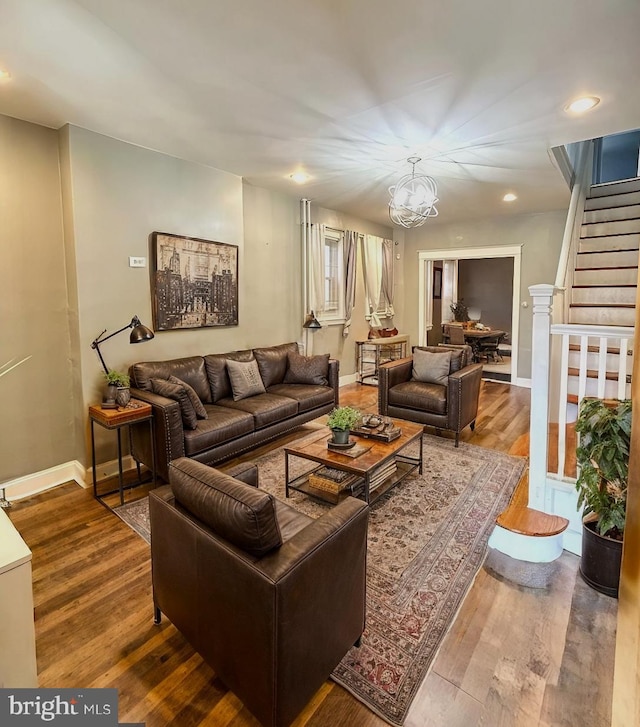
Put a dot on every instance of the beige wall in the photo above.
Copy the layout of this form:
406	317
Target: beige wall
540	236
116	195
37	430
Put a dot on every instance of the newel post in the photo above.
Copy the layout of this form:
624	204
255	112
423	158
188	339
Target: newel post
540	367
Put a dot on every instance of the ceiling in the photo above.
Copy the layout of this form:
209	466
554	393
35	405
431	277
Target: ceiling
343	89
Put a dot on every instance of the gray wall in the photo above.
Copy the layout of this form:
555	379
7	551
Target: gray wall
38	427
487	285
540	236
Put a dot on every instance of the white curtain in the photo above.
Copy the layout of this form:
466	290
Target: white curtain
350	253
316	268
372	262
386	283
449	288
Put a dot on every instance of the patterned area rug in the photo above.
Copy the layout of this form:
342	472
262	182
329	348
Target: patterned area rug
427	540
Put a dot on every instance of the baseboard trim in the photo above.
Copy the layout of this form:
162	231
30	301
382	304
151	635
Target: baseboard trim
36	482
44	480
525	383
348	379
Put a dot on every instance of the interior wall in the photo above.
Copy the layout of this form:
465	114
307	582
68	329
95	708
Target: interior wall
487	285
38	429
329	338
540	236
120	194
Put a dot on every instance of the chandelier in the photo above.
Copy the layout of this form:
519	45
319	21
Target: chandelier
413	198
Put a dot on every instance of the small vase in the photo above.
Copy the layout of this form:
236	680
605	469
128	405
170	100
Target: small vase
341	436
123	395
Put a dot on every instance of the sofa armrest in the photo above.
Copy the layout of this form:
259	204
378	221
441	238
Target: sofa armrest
247	472
334	379
168	431
463	394
389	375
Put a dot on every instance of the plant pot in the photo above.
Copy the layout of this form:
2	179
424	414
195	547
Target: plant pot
123	395
110	393
340	436
601	559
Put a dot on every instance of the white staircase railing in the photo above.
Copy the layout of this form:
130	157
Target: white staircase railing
569	362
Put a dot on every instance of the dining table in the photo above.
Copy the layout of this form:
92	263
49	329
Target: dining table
474	336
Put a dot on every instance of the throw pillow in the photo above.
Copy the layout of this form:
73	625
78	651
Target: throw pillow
198	406
307	369
245	379
178	393
431	368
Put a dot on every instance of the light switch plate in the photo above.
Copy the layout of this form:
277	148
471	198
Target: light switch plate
137	262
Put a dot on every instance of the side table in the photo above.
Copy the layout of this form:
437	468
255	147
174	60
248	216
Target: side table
375	351
134	413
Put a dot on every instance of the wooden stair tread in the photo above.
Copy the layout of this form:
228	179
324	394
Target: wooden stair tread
595	349
593	374
616	267
602	305
606	285
526	521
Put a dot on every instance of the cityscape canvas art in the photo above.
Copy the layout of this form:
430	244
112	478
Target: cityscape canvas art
194	282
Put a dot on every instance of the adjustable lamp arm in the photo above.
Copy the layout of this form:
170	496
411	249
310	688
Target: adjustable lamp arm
145	335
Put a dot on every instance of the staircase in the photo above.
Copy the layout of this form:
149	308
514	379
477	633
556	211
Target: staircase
605	277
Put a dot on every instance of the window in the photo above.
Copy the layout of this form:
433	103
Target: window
332	309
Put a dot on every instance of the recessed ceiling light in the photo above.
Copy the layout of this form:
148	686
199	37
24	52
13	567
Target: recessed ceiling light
580	105
299	177
4	74
510	197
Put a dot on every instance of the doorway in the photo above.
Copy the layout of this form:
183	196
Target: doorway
450	261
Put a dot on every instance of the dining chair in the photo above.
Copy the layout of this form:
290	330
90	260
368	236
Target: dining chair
456	335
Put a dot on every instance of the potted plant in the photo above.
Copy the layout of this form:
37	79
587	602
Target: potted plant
340	421
460	311
118	387
602	455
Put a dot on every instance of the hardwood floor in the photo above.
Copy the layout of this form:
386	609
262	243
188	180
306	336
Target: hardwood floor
514	657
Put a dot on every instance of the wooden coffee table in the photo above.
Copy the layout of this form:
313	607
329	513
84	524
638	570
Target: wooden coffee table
364	466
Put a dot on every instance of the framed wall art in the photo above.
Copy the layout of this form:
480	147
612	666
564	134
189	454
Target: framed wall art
437	283
194	283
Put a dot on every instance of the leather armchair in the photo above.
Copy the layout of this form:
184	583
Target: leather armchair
270	598
451	406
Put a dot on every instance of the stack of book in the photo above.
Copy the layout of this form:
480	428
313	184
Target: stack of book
381	474
331	480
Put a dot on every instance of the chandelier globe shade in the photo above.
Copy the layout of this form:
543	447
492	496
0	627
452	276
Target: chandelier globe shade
413	198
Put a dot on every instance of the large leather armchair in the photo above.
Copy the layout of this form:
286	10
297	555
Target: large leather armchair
451	405
270	598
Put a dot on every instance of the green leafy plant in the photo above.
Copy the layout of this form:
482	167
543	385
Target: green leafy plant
603	460
460	311
115	378
343	417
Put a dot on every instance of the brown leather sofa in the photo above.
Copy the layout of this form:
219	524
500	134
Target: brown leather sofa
231	427
270	598
450	405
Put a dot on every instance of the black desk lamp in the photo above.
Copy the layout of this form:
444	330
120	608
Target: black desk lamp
139	334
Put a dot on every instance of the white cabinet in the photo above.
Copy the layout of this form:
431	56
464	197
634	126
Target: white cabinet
17	634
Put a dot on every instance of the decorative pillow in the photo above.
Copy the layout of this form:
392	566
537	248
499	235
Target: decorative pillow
198	406
307	369
272	362
178	393
245	379
431	368
241	514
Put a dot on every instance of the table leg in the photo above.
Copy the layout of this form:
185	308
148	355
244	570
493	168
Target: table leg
153	452
420	465
120	475
366	488
93	462
286	474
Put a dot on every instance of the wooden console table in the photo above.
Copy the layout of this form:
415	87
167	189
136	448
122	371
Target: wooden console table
375	351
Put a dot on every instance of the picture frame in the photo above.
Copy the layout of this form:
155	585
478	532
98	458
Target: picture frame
194	282
437	283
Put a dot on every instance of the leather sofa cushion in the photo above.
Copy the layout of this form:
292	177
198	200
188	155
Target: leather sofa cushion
308	396
431	368
265	408
307	369
198	406
420	396
178	393
190	369
290	521
215	365
239	513
272	362
222	425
